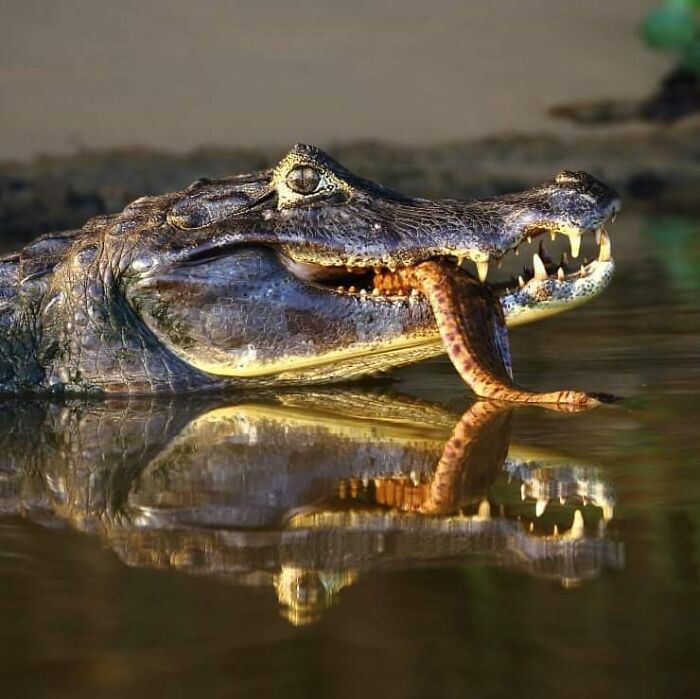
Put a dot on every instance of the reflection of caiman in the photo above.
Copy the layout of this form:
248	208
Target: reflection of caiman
305	491
300	274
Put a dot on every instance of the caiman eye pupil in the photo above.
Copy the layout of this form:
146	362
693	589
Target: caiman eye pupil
303	179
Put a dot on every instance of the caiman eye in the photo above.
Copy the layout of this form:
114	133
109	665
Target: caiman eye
303	179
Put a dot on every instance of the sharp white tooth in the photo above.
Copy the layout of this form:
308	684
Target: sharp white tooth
552	235
529	239
522	491
560	274
582	271
538	266
363	292
577	527
375	291
482	268
516	249
607	512
532	526
540	507
484	510
414	293
562	500
521	281
605	248
555	532
575	241
598	233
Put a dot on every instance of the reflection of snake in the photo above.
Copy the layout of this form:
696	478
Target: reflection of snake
302	491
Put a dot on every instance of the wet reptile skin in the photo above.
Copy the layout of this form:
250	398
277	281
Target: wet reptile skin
216	286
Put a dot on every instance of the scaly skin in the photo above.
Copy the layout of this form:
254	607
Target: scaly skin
266	279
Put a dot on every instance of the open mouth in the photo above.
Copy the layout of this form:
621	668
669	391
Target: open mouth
391	282
469	309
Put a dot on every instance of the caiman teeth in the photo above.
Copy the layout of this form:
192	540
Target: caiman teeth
538	267
482	268
605	254
575	241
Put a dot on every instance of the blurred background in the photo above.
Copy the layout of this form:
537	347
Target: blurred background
177	75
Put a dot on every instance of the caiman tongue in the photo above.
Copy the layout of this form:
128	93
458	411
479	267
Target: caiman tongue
470	319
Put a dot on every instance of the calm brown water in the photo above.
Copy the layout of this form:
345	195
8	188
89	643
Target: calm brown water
298	544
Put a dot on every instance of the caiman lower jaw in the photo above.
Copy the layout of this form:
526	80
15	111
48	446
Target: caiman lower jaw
470	315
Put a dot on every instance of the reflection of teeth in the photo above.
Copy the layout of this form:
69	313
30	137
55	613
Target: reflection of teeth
560	274
482	269
521	281
605	247
375	291
577	527
529	239
539	268
575	241
540	507
484	511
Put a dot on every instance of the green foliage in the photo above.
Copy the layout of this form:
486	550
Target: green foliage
670	28
675	27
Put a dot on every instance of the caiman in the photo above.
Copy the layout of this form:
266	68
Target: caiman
303	273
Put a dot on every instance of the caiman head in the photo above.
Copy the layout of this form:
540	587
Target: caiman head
307	273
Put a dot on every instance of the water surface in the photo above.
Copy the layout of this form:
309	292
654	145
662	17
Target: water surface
329	543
